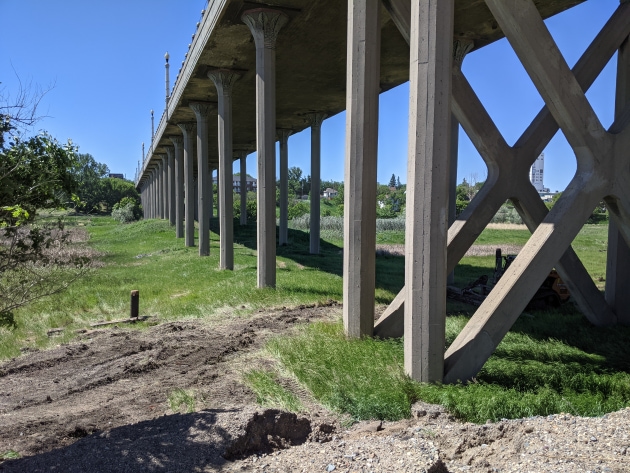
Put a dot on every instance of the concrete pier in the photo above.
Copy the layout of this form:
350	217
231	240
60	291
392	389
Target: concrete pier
362	90
265	24
224	82
178	145
188	129
316	120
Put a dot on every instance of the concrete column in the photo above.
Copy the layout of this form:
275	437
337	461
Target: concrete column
316	158
165	190
196	198
283	237
431	39
618	255
189	205
243	176
362	89
170	152
159	188
152	192
204	178
265	24
178	144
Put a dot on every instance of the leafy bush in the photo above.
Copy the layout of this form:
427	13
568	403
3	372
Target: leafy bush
127	210
252	210
507	214
298	208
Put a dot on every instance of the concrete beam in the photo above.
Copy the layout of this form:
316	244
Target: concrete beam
618	254
520	21
508	171
265	24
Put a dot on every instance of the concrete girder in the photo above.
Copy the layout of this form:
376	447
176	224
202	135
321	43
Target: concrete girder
189	201
224	82
508	169
600	173
265	24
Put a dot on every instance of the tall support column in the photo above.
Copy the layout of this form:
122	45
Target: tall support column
316	159
165	190
431	41
189	205
178	144
204	178
618	255
265	24
283	236
363	85
158	188
243	175
153	203
170	152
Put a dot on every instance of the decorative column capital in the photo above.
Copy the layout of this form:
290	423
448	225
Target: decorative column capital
461	47
202	109
316	119
187	128
265	24
283	134
170	151
224	80
177	140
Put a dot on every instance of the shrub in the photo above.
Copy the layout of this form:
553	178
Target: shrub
127	210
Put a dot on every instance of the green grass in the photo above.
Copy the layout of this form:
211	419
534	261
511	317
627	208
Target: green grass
9	455
555	362
270	393
542	367
179	398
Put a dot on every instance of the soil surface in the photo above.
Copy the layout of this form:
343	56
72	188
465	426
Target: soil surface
100	404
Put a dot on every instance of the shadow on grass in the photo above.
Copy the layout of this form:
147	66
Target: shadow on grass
174	443
390	270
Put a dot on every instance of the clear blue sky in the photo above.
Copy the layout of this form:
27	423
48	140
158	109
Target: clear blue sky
105	61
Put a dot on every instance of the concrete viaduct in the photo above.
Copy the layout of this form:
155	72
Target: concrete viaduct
265	71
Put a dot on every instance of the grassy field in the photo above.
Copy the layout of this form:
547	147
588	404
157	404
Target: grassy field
551	362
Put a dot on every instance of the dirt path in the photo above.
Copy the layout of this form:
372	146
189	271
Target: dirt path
117	381
99	405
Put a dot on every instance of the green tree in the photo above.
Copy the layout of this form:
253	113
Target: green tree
88	174
113	190
392	181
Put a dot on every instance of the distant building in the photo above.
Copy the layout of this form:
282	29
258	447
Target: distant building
536	174
117	176
252	183
330	193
